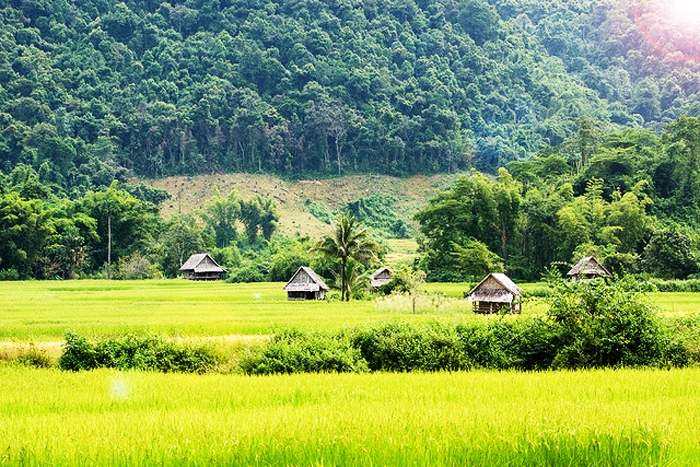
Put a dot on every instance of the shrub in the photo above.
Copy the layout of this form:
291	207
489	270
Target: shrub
149	353
249	270
537	292
402	347
377	212
9	275
34	358
522	344
590	324
684	341
689	285
287	256
137	266
605	324
297	352
319	211
78	354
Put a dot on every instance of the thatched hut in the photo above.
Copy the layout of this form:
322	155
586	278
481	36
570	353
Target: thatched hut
380	277
305	284
495	293
202	267
588	268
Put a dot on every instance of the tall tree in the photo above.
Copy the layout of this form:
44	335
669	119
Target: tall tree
349	243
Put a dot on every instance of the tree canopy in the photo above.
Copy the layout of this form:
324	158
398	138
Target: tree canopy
91	91
633	204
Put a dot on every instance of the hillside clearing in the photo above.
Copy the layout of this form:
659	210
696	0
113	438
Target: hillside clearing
410	193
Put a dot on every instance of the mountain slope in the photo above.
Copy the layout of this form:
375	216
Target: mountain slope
94	90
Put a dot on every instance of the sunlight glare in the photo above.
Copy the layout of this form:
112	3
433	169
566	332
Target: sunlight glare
684	13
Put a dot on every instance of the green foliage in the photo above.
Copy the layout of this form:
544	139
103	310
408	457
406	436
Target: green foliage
350	247
685	336
220	216
399	347
403	280
182	237
137	266
9	275
24	231
319	211
474	260
131	222
476	216
605	324
688	285
295	352
619	199
33	358
148	353
95	90
590	324
669	254
287	256
377	212
250	268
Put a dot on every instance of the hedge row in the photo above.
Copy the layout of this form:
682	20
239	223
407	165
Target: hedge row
149	353
502	344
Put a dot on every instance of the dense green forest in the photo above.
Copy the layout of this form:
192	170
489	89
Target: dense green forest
95	90
630	197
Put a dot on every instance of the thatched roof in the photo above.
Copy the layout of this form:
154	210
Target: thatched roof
589	266
201	263
379	271
298	282
376	281
497	288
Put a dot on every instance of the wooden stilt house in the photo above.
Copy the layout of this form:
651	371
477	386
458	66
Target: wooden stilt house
202	267
588	268
495	293
305	284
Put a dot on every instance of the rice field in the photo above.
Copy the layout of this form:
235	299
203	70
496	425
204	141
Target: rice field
44	310
49	417
624	417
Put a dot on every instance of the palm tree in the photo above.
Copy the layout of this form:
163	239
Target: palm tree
349	242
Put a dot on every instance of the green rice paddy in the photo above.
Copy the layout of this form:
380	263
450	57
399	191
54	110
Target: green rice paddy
49	417
43	311
624	417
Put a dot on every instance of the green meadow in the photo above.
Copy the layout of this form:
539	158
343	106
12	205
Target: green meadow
44	310
624	417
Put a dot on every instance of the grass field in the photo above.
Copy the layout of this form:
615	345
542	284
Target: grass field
627	417
43	311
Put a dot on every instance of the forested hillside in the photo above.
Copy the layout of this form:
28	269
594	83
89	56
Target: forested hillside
94	90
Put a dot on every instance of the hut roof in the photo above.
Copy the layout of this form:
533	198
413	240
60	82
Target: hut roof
315	285
379	271
589	266
198	264
500	289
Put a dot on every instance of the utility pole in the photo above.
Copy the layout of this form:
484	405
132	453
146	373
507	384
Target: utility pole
109	246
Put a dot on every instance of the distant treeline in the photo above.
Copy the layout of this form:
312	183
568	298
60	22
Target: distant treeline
92	90
629	197
117	231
